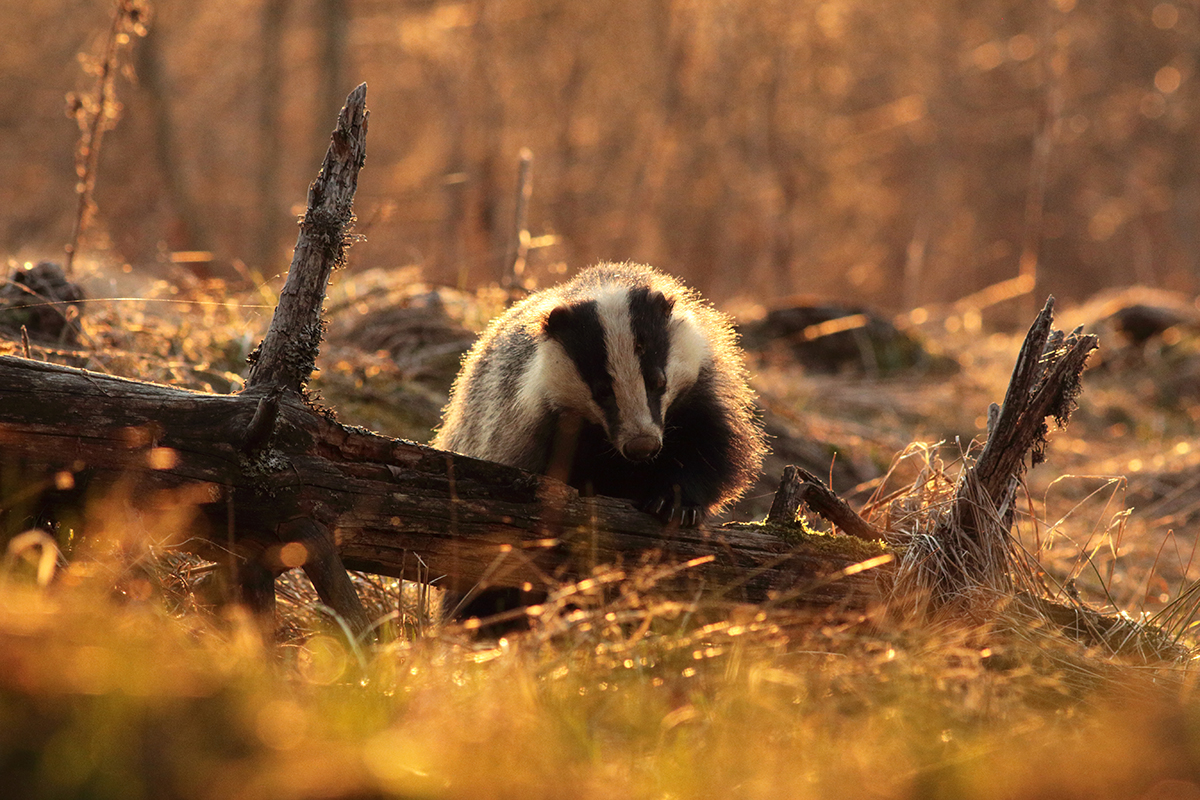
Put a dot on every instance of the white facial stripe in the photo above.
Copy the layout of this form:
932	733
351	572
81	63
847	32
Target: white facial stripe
625	368
689	353
552	375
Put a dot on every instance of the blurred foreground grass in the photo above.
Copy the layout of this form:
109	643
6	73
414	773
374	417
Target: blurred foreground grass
108	697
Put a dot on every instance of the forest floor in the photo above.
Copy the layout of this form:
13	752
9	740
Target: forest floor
119	678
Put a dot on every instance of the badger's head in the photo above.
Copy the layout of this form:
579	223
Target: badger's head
620	358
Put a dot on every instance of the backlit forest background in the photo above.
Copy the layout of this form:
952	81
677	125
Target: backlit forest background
897	156
924	159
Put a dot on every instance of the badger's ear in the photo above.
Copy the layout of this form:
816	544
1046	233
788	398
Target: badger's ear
557	321
661	303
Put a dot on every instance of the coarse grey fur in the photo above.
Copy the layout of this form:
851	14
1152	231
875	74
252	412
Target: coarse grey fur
621	381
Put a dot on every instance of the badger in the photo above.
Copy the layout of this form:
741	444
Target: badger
621	382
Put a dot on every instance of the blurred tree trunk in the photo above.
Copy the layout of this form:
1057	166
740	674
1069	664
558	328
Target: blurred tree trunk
473	233
659	142
926	204
333	21
1185	187
485	225
567	206
270	84
453	254
787	165
189	231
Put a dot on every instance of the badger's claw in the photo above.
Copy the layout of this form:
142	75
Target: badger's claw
668	510
655	506
690	516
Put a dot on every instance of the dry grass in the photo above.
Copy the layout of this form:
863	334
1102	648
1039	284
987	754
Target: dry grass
116	697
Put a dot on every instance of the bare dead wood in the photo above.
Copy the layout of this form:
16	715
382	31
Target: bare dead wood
288	353
799	486
286	358
323	566
1044	383
788	498
968	559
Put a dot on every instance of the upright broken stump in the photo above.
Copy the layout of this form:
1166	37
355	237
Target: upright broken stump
282	366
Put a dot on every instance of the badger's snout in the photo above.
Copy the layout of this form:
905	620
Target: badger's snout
641	448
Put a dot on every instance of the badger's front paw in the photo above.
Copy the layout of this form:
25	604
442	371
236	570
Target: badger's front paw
670	509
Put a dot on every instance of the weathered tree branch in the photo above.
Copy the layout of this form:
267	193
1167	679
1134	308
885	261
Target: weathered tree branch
518	248
288	353
801	486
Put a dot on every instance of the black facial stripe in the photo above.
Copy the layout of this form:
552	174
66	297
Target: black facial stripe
649	313
578	329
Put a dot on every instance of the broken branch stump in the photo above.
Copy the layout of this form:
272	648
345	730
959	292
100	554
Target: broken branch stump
287	356
1044	383
801	486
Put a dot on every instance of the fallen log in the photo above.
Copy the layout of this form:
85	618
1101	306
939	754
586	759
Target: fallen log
393	507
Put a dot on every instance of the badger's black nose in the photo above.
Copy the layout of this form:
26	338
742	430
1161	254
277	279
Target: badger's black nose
640	448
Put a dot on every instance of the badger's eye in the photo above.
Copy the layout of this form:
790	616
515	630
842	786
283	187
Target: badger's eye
656	380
